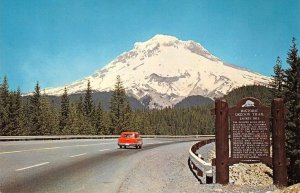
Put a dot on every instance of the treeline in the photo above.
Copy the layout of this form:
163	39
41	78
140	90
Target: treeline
168	121
37	115
262	93
286	84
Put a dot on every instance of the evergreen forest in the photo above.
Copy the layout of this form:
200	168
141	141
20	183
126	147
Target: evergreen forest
38	115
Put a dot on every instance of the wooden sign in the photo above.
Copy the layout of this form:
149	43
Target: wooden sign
250	137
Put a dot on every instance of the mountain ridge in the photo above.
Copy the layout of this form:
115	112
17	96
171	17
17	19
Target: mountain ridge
165	70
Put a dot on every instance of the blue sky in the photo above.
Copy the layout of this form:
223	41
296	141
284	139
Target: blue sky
57	42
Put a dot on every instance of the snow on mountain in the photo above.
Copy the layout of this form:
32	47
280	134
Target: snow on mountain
165	70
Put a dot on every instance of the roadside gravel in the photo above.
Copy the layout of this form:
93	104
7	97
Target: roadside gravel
255	174
165	170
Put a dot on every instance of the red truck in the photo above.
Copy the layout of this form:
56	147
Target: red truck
132	139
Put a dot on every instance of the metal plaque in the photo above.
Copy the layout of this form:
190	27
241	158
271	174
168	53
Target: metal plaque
250	131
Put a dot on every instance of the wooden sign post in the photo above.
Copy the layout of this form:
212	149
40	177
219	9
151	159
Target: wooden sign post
222	150
279	157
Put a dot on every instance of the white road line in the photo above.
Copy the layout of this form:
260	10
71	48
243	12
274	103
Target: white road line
104	149
82	145
165	141
32	166
49	148
77	155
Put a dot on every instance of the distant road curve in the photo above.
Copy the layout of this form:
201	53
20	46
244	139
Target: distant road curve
74	165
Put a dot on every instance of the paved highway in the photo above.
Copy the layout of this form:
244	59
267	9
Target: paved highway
95	165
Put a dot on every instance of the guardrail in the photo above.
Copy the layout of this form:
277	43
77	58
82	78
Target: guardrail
204	171
66	137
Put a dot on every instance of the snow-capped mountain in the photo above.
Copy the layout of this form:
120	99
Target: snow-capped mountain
165	70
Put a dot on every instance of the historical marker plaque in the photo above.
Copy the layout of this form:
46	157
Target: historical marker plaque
250	137
250	133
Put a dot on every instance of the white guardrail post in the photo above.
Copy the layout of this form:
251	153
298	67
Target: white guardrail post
204	170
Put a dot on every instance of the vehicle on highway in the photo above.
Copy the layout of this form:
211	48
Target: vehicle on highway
130	139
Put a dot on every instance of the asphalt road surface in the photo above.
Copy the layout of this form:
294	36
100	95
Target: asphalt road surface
69	165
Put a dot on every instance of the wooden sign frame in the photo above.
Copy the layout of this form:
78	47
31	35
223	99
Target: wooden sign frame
250	121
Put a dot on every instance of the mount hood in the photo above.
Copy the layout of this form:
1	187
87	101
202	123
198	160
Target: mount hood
164	70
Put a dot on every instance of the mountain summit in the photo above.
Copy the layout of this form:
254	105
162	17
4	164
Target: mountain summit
163	71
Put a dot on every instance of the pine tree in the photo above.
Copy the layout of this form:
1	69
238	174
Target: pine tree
4	107
137	122
54	119
73	126
106	123
82	123
35	112
292	101
277	79
20	124
119	108
64	112
88	107
2	118
11	115
126	115
48	123
88	102
79	105
92	120
25	116
15	121
99	120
